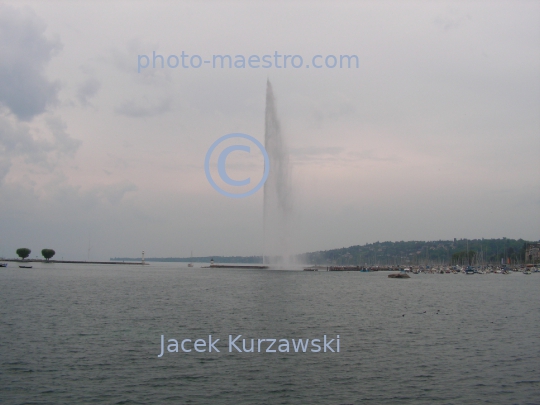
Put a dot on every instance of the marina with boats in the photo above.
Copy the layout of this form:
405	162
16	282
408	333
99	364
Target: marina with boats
469	270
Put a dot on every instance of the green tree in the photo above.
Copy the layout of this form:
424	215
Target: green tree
47	253
461	257
23	253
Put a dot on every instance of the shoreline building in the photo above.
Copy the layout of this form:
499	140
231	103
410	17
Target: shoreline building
532	253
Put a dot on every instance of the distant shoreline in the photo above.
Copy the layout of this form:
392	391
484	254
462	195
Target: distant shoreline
398	253
203	259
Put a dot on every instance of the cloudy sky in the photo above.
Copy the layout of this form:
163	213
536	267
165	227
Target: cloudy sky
435	135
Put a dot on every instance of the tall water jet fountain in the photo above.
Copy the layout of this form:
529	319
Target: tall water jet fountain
277	191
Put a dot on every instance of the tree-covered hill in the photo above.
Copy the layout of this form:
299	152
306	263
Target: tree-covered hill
420	252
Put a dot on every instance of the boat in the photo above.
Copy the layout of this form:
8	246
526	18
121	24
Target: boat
470	270
527	272
311	269
399	275
3	264
191	264
25	267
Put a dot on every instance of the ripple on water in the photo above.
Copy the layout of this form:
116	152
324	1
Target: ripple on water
87	334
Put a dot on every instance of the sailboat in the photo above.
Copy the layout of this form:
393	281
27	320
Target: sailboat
191	264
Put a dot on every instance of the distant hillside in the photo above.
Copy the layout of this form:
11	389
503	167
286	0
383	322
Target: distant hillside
458	251
420	252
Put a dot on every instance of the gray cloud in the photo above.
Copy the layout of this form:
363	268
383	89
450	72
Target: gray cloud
18	139
333	154
144	108
24	89
452	19
316	151
63	144
87	90
5	165
113	193
125	60
25	93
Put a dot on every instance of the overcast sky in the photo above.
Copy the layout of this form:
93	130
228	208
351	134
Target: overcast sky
435	135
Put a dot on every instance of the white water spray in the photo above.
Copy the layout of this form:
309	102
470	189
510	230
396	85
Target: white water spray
277	191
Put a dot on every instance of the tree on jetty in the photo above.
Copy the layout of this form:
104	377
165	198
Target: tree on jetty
47	253
23	253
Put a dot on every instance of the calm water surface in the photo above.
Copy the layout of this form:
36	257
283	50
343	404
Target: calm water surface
81	334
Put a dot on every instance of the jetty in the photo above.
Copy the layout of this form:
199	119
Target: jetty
71	262
231	266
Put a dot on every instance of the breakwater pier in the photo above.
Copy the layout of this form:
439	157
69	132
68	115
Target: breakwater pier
238	266
71	262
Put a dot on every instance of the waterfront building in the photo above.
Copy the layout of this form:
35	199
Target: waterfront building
532	253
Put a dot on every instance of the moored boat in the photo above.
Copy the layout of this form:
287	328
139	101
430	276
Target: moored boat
399	275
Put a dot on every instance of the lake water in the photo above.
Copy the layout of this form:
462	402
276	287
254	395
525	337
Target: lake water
81	334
